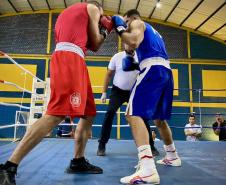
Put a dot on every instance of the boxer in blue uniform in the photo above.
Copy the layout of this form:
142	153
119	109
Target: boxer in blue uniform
152	95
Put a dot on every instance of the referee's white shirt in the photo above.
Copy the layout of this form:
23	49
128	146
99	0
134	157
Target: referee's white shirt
122	79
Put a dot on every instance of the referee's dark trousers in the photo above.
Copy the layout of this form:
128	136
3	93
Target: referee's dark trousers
117	98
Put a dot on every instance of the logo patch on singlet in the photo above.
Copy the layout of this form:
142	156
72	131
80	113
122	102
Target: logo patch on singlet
75	99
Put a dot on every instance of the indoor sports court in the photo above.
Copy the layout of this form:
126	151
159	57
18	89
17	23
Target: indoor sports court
194	32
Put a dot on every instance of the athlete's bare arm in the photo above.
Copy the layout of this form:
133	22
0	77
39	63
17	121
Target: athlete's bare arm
135	34
95	38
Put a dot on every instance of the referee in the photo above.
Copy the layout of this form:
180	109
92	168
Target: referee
120	92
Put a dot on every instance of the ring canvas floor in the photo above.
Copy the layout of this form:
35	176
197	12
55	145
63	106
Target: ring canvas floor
203	163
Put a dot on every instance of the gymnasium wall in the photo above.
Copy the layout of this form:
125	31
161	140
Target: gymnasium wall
198	62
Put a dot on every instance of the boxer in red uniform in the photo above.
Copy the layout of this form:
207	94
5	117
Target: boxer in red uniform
80	27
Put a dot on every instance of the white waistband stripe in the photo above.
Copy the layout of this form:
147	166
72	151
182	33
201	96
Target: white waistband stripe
154	61
67	46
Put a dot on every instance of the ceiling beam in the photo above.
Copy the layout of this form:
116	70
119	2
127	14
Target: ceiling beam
153	10
221	6
28	1
65	4
200	2
119	6
47	2
175	6
137	5
12	5
218	29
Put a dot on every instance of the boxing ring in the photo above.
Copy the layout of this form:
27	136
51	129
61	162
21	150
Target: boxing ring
203	162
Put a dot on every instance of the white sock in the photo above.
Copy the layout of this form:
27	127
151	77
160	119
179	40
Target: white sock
171	152
147	163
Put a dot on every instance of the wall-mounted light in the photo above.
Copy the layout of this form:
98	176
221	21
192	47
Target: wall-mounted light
158	5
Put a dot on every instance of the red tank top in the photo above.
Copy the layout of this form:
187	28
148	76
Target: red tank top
72	26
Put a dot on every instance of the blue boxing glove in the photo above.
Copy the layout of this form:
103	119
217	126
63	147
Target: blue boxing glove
119	24
129	64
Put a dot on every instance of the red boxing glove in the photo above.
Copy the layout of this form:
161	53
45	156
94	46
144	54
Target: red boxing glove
106	25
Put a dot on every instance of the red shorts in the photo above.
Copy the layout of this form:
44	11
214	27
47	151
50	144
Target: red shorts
71	92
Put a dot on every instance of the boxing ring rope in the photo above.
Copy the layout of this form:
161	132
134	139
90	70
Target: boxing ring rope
36	95
28	108
18	65
16	124
15	85
119	112
94	125
14	105
200	110
18	87
187	89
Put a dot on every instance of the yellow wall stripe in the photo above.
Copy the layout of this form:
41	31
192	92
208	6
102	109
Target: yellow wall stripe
6	139
15	100
27	56
107	59
200	61
58	10
185	104
98	102
46	68
176	82
188	44
118	124
207	105
119	44
190	87
49	33
214	79
119	115
11	73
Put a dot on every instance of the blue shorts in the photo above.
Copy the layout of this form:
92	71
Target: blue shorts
152	95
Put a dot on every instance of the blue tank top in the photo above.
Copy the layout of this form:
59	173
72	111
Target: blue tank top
152	45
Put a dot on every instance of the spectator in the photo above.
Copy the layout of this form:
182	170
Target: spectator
219	127
192	130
